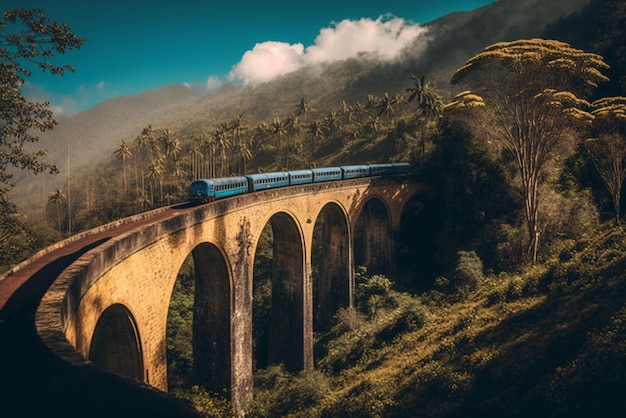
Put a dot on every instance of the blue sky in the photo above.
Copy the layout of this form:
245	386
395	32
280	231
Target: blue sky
135	45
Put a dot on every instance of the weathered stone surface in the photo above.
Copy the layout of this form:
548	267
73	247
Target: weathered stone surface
137	270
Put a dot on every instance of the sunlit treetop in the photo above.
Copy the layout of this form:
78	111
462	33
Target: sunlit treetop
569	67
609	115
610	107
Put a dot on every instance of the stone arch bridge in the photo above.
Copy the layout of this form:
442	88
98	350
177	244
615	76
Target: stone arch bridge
110	305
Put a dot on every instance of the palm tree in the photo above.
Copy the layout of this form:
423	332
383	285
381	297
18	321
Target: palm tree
143	142
352	135
222	144
57	198
278	130
171	144
316	129
123	153
359	109
387	105
429	105
209	146
372	102
194	157
244	154
346	111
331	121
153	174
372	123
303	108
418	89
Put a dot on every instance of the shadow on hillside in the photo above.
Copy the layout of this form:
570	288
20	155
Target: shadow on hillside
536	349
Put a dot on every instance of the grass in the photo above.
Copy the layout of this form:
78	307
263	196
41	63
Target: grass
549	341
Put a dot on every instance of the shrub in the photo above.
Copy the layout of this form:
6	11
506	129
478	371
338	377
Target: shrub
210	405
468	271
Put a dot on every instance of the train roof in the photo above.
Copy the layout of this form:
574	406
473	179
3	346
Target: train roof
223	180
273	175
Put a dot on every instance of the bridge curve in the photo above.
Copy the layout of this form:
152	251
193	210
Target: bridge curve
120	290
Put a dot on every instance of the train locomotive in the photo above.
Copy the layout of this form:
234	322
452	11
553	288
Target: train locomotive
208	190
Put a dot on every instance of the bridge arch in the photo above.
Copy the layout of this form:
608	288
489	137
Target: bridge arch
211	331
373	237
115	344
331	265
286	333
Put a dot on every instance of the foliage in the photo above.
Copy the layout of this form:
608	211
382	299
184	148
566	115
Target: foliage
179	328
608	149
523	94
380	316
472	191
597	27
27	39
468	271
547	341
280	394
16	238
210	405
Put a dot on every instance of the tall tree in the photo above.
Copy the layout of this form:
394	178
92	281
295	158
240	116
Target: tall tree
608	148
316	129
57	199
523	95
222	145
123	153
429	105
278	131
27	37
303	108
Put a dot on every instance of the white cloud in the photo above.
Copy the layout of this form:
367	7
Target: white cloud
268	60
384	37
213	82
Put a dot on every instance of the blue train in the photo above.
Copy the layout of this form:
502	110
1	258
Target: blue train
207	190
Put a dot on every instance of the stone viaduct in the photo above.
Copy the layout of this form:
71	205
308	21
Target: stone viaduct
110	307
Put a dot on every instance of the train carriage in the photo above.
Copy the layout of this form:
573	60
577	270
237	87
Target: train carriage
207	190
326	174
355	171
401	168
381	169
300	177
262	181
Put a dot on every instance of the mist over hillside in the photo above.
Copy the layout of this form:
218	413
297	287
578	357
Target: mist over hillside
92	135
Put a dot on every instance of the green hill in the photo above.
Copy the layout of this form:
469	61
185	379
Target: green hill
549	341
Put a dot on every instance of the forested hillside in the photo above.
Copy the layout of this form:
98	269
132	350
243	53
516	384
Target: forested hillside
448	42
509	295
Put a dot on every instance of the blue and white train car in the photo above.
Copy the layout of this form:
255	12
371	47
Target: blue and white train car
355	171
262	181
300	177
381	169
206	190
326	174
401	168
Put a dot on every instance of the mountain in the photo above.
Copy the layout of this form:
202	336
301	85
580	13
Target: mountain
92	135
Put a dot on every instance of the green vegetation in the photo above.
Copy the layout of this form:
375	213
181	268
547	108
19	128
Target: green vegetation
27	39
546	341
510	295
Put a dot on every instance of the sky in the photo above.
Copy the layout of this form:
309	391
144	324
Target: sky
136	45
